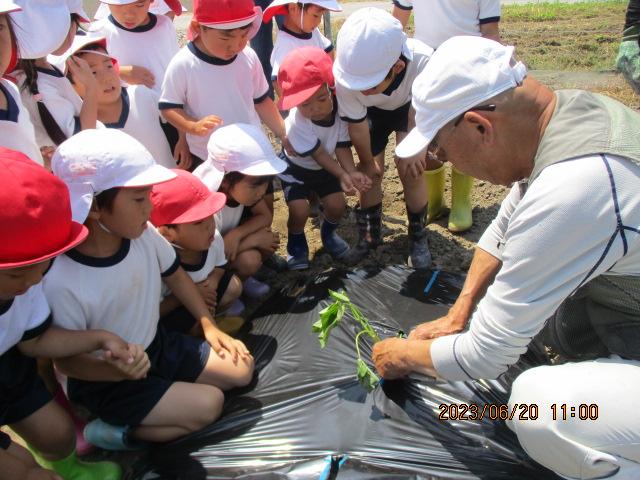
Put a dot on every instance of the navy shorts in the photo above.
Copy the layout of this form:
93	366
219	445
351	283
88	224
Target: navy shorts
180	320
174	358
22	391
383	123
319	181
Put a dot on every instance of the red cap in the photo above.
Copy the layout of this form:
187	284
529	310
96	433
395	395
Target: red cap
225	14
175	6
36	213
184	199
302	73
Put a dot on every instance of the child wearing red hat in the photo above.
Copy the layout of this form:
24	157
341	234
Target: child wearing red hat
324	164
114	281
36	223
217	78
183	212
299	28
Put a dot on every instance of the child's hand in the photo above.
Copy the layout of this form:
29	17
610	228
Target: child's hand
47	153
204	126
115	347
135	369
207	289
231	244
360	181
267	241
221	343
288	148
135	75
181	153
346	183
82	74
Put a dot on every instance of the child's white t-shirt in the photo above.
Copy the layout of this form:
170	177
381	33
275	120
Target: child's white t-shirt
306	136
228	218
120	293
61	100
140	118
16	129
287	41
438	20
211	259
151	46
24	317
352	104
203	85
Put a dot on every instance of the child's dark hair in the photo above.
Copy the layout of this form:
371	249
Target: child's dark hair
31	85
231	178
105	199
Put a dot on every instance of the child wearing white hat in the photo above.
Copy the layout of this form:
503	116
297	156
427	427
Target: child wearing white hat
241	164
143	42
374	70
436	22
56	110
130	108
113	281
299	28
171	9
217	78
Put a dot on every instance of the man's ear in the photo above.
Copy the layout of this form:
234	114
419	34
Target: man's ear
399	66
481	125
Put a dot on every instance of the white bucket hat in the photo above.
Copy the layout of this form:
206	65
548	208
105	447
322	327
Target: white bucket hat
157	7
462	73
369	43
239	147
279	7
78	45
93	161
7	6
41	26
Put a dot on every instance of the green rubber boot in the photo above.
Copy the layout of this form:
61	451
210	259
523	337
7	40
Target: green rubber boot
460	215
435	193
71	468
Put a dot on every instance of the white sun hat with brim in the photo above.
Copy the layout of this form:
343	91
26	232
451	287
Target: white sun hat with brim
96	160
157	7
40	27
7	6
462	73
80	42
369	43
279	7
239	147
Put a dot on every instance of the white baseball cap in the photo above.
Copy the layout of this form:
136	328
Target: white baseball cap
96	160
157	7
41	26
239	147
369	43
279	7
462	73
7	6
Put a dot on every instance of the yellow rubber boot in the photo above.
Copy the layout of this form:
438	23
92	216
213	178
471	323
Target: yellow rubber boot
71	468
435	193
460	215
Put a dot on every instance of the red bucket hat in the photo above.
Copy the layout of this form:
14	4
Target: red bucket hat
36	213
184	199
226	15
302	72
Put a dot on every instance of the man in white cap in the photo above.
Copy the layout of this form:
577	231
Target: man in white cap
564	251
375	67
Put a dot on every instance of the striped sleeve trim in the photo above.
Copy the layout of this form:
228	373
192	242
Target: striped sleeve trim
37	331
353	120
172	269
400	6
261	98
483	21
346	144
168	105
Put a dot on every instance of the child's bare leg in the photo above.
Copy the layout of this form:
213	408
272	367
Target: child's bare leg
334	205
247	263
183	409
231	294
223	373
298	214
48	430
22	454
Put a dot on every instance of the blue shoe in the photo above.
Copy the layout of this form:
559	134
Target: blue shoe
253	288
333	243
110	437
299	262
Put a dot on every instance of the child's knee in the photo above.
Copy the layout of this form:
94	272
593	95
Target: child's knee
334	205
245	373
233	291
207	409
248	262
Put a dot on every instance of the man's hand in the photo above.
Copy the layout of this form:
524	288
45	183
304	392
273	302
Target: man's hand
221	343
447	325
398	357
208	291
412	166
136	75
135	369
204	126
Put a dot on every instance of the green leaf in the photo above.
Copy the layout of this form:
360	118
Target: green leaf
367	378
329	318
339	296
